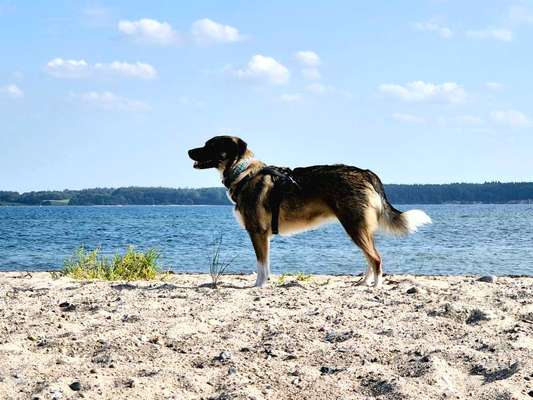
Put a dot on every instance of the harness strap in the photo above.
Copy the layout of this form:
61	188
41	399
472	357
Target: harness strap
280	180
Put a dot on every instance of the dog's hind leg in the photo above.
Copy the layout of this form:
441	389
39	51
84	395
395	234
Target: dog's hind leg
362	235
261	242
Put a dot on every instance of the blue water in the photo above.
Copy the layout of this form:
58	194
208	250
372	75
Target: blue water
464	239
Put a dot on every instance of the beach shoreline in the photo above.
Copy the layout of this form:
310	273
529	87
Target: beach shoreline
420	337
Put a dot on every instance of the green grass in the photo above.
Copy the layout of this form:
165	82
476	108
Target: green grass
298	276
130	266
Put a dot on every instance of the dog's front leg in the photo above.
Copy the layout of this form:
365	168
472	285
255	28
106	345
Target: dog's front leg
261	242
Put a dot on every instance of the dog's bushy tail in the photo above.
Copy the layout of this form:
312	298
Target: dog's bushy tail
390	219
400	223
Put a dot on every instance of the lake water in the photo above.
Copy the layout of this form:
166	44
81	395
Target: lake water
464	239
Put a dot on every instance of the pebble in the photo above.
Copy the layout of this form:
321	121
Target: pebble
232	371
530	393
412	290
224	356
76	386
66	306
330	370
488	279
130	383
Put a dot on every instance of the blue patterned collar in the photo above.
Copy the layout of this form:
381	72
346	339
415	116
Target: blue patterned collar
236	170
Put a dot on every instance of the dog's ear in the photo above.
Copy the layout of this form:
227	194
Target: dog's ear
241	146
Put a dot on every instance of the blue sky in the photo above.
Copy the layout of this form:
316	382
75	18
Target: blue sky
114	93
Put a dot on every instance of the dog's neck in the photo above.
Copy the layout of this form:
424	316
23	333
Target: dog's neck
233	173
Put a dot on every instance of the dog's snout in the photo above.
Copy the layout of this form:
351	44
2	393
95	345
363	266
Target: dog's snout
195	153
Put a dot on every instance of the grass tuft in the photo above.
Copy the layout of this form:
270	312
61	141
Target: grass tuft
217	267
130	266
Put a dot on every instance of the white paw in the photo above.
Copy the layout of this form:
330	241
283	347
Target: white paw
261	283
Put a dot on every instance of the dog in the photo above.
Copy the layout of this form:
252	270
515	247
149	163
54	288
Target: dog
270	200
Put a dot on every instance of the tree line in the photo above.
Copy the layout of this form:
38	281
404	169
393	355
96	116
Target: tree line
489	192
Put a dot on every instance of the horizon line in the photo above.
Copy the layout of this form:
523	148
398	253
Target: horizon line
222	187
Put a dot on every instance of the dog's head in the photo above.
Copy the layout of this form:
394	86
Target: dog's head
218	152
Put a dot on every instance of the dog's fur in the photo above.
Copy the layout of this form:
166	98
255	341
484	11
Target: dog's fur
353	196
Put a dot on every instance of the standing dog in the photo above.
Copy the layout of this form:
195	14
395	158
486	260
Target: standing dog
270	200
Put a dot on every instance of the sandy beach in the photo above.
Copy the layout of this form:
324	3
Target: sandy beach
417	338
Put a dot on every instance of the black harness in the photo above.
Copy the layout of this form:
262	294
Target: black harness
282	181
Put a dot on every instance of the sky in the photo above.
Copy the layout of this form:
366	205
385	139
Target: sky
109	94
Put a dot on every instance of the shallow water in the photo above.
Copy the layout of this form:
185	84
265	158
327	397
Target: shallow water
464	239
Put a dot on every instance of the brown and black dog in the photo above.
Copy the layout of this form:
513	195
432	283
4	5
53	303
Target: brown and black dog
269	200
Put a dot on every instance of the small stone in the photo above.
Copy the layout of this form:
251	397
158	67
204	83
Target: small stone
130	383
92	371
66	306
232	371
330	370
295	381
76	386
425	359
488	279
476	316
412	290
224	356
530	393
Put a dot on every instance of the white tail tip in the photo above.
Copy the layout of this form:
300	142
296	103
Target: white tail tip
415	219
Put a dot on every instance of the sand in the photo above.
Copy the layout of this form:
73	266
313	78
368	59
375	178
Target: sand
417	338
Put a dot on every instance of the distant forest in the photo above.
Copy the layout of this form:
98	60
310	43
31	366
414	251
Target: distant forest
489	192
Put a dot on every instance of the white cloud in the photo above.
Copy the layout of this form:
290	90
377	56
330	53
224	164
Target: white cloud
263	68
68	69
408	118
504	35
311	74
430	26
111	102
512	118
132	70
149	31
208	31
291	98
77	69
12	91
494	86
419	91
308	58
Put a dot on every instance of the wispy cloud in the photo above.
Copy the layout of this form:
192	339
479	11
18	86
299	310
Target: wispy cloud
308	58
419	91
206	31
430	26
150	31
511	118
78	69
109	101
503	35
12	91
263	69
